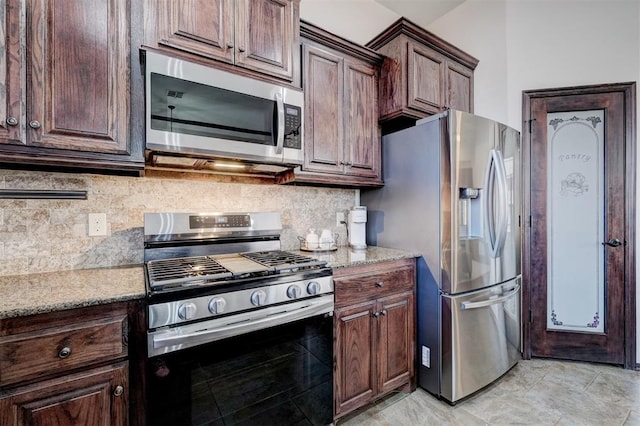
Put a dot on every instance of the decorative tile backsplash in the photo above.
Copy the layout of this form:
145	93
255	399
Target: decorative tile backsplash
51	235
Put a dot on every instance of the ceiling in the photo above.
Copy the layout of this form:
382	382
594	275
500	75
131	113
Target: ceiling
421	12
361	20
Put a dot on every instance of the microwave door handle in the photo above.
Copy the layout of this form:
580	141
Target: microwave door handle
280	130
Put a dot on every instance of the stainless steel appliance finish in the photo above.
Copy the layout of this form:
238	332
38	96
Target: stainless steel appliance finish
182	337
194	111
195	274
238	329
453	192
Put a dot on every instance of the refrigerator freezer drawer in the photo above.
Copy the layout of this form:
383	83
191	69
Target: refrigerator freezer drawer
481	335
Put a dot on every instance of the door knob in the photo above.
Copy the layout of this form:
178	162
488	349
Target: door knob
614	242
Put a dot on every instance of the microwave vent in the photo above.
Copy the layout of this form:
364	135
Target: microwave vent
174	94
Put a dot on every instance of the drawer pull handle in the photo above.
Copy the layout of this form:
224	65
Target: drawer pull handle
379	284
64	353
119	390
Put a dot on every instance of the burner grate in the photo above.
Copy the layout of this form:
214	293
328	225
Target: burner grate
179	270
283	261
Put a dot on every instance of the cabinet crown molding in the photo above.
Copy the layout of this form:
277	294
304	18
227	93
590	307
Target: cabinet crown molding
311	32
407	28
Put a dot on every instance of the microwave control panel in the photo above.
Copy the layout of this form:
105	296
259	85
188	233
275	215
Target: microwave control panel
292	123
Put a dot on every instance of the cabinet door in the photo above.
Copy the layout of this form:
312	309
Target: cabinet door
459	93
265	36
78	75
355	383
396	341
202	27
323	91
426	76
95	397
362	134
11	109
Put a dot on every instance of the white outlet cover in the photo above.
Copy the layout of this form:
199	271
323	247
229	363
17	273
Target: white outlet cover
426	357
97	225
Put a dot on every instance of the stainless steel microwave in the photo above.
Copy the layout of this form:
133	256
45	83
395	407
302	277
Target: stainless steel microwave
194	111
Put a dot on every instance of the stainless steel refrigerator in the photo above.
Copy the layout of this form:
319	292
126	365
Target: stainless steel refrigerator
453	192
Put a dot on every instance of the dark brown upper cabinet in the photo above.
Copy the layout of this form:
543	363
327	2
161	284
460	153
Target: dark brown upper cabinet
64	77
258	36
341	130
421	74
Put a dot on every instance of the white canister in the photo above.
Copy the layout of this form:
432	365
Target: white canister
312	240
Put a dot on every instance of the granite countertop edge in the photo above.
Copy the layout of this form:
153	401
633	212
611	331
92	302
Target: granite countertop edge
29	294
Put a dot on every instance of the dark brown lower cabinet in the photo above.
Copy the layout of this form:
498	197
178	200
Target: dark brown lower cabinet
375	333
68	367
93	397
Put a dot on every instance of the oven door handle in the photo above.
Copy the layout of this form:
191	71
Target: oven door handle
182	337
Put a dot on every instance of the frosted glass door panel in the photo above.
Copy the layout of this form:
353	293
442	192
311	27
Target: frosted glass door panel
575	208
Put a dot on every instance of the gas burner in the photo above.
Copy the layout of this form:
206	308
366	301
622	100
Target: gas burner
167	272
284	261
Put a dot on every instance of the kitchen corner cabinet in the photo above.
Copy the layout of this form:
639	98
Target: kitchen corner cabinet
257	35
66	367
341	131
374	345
421	74
64	89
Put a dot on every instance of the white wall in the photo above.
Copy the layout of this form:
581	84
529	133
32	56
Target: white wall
355	20
521	45
545	44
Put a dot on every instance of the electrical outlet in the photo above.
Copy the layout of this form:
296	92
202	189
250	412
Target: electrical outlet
339	218
97	224
426	357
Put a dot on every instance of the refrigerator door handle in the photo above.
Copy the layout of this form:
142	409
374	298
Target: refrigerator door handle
503	215
487	207
489	302
496	231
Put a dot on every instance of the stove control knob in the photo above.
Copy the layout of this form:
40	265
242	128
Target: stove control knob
217	305
258	297
313	288
293	292
187	311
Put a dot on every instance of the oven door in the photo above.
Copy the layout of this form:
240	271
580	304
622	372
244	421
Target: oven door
280	375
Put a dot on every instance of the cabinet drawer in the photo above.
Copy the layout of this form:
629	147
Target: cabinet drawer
29	355
357	288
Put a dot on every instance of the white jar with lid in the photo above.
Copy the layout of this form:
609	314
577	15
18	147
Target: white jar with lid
312	240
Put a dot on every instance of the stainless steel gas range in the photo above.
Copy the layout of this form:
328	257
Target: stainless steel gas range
238	329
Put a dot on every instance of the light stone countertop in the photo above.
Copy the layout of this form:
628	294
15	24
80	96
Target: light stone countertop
346	256
29	294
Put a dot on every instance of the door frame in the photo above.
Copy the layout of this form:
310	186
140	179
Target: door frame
628	89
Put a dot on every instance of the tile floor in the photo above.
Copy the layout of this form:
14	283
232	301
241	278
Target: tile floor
534	392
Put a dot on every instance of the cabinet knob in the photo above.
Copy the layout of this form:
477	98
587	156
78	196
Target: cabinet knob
384	312
34	124
12	121
64	353
241	49
376	314
379	284
230	45
349	163
119	390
